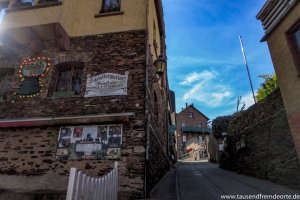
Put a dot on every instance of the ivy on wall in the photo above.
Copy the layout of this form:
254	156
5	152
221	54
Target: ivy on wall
221	124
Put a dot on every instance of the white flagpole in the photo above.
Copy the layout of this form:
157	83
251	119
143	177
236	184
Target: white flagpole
246	63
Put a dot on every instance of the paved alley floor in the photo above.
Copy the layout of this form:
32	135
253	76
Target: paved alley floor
204	180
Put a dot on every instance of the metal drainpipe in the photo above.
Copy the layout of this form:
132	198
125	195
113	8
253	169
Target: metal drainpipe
147	115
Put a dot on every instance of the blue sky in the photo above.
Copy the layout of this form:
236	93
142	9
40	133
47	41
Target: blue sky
205	63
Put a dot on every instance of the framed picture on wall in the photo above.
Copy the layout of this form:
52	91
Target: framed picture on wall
89	142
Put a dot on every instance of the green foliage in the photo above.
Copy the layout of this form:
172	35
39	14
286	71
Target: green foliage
267	87
221	124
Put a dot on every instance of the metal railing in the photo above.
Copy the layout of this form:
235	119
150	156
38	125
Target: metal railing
84	187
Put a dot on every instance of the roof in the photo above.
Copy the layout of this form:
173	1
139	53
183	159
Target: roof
192	106
189	129
63	120
272	13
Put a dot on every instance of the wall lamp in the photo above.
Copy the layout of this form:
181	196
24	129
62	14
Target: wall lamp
160	65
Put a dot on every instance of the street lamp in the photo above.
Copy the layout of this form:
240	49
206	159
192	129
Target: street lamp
160	65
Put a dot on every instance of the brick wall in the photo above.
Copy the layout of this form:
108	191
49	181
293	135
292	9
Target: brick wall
269	152
183	116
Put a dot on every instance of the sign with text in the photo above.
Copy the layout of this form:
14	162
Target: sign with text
107	84
30	71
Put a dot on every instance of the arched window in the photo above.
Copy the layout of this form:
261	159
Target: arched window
68	79
6	76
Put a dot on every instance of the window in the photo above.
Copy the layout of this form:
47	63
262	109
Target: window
199	125
6	76
24	3
182	124
294	43
190	115
111	5
29	3
45	2
69	78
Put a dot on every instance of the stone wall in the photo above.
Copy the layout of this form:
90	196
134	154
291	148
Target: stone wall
213	148
21	196
157	163
30	153
269	152
113	53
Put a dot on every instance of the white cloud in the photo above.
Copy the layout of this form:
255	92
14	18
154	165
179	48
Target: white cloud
205	89
195	76
248	99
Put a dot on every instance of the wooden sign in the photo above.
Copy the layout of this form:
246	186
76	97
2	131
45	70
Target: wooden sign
30	72
34	67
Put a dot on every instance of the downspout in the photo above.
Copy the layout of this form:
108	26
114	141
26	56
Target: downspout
147	114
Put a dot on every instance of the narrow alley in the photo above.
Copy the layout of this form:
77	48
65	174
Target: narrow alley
204	180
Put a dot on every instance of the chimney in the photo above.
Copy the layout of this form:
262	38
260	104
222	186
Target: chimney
192	104
182	109
186	105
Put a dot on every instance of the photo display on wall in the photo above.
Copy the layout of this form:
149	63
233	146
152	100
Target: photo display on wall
89	142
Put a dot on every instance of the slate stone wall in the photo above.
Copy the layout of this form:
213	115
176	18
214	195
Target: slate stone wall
269	152
158	161
158	164
27	155
21	196
109	53
31	151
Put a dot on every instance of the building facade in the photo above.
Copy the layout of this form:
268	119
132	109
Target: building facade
172	128
192	134
80	88
281	22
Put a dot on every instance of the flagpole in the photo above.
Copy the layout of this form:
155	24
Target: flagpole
247	67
